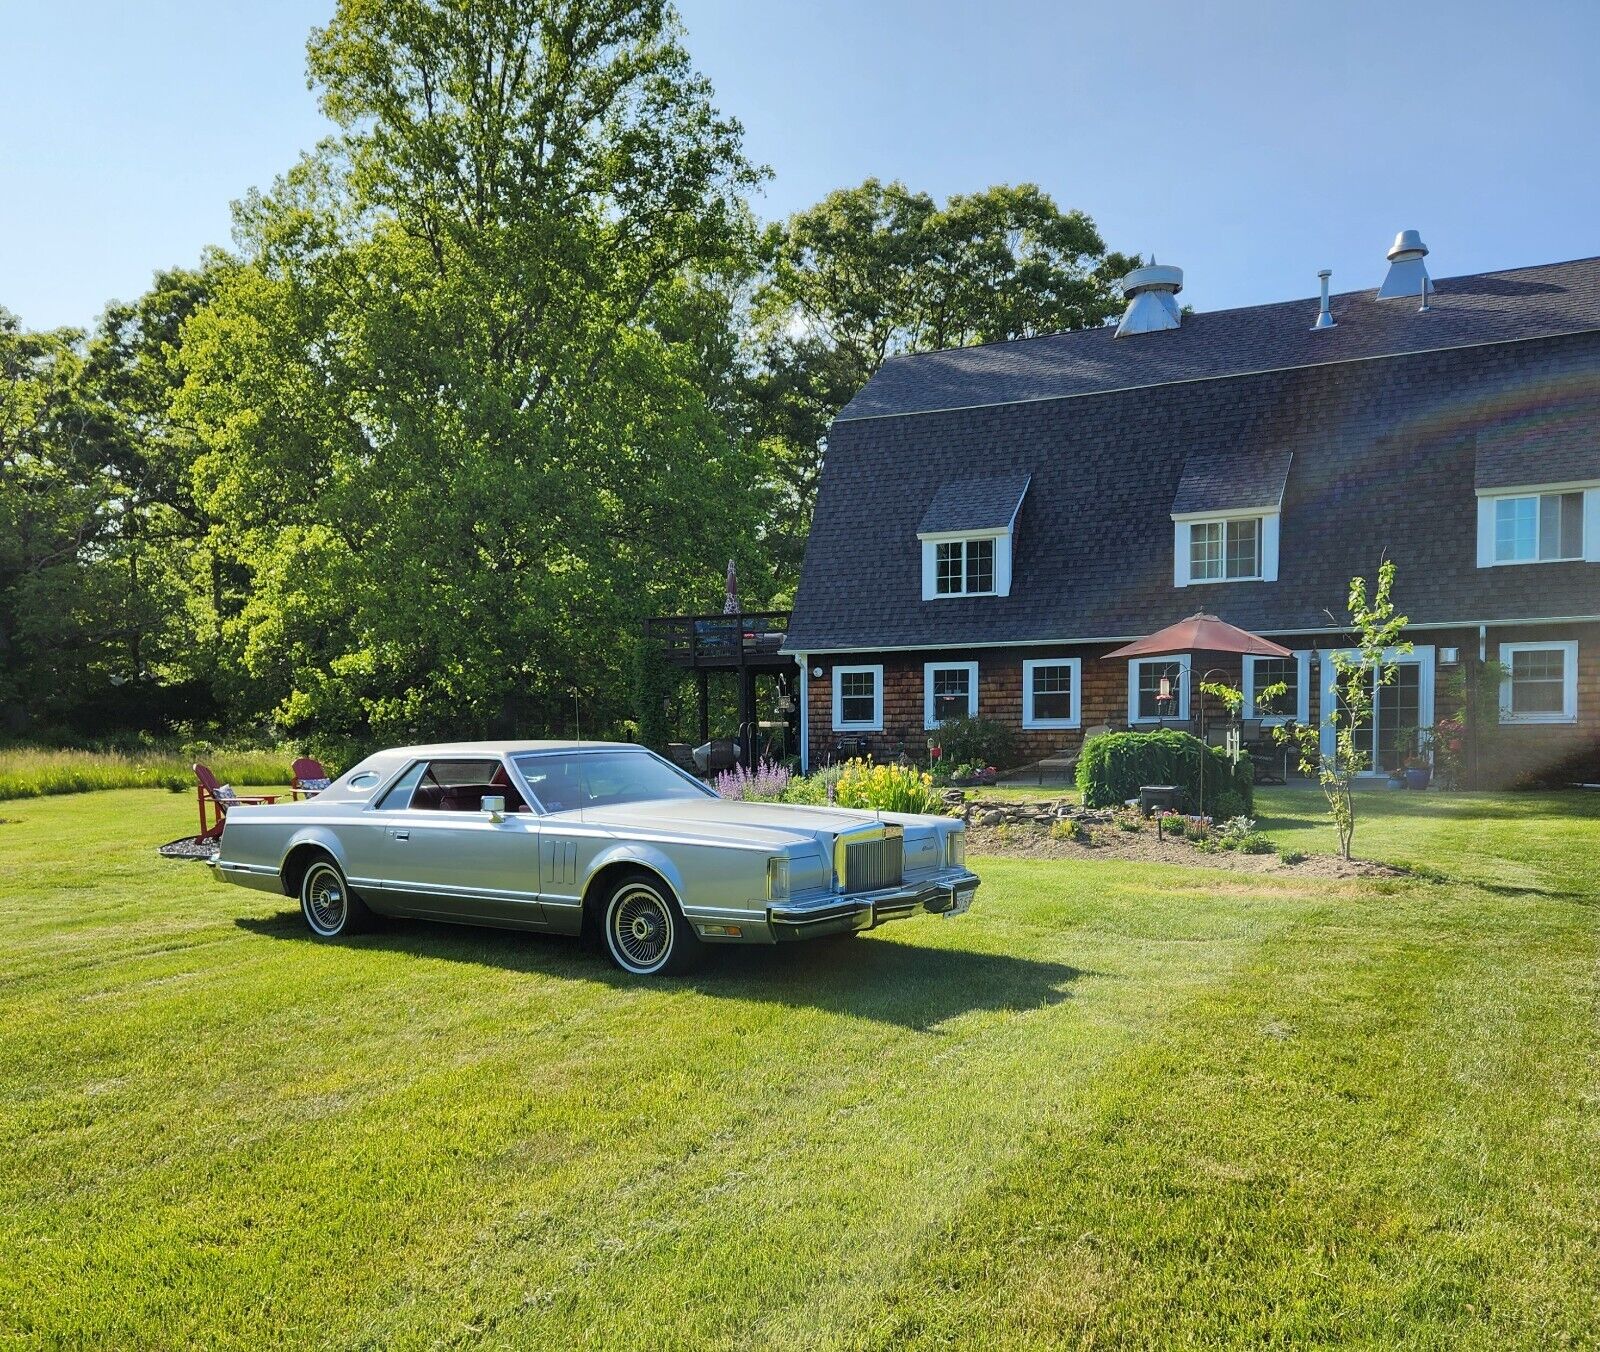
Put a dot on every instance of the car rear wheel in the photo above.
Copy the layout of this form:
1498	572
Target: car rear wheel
646	934
330	908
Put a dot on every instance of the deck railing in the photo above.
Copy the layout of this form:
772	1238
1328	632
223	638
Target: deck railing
719	640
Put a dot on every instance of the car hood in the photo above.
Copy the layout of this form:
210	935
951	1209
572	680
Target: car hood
728	819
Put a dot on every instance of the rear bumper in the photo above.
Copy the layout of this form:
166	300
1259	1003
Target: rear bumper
262	877
949	893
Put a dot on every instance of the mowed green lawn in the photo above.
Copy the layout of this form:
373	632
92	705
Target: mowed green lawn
1113	1106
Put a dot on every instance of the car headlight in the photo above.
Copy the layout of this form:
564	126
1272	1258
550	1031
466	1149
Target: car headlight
777	878
955	849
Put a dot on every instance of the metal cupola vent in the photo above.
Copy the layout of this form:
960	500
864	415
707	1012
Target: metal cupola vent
1151	292
1408	276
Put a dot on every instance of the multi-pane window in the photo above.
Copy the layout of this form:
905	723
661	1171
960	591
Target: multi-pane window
951	692
963	567
856	701
1225	551
1267	672
1048	692
1159	690
1539	684
1538	528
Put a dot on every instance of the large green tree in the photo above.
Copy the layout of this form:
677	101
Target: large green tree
461	407
877	270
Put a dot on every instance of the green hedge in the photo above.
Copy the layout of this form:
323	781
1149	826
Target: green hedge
1115	765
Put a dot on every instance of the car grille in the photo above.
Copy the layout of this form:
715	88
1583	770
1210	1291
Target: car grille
870	865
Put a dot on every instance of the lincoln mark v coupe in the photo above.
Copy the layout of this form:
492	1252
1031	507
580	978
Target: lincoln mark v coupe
596	837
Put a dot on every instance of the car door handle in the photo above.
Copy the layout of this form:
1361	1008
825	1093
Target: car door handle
401	835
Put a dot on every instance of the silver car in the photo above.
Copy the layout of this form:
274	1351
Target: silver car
575	837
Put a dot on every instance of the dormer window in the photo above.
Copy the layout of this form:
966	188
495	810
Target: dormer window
1225	517
1532	527
966	535
964	567
1225	551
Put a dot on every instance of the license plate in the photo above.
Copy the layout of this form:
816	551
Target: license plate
963	902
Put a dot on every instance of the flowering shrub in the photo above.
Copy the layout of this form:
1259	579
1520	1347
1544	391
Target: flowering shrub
766	783
887	788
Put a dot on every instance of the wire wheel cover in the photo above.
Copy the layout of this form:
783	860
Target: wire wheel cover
641	928
324	899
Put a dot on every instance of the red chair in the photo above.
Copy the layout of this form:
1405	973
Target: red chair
310	778
221	798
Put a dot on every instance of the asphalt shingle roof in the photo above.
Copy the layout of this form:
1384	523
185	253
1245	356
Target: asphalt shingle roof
1490	307
974	504
1553	438
1386	454
1229	480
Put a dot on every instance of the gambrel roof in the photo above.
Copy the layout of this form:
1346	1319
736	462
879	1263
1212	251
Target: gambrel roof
1377	449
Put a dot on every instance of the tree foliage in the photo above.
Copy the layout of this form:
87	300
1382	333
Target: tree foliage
1371	664
458	423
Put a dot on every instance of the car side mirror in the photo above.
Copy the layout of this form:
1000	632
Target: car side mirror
495	805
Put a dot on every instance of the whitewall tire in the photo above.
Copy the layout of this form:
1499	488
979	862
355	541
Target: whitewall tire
330	909
645	933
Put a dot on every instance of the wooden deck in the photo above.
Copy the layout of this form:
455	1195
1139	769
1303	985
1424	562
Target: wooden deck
722	642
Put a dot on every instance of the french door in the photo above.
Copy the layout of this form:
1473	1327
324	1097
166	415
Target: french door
1400	708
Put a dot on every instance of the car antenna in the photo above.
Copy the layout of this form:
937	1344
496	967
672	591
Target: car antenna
577	728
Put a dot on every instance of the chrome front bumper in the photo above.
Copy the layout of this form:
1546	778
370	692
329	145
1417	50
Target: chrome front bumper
948	893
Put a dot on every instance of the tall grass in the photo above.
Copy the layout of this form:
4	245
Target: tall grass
34	772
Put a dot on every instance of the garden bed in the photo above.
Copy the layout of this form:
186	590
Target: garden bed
1027	830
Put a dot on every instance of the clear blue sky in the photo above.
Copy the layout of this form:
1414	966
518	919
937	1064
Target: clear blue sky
1251	143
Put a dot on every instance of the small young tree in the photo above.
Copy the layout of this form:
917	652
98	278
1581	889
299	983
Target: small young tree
1358	676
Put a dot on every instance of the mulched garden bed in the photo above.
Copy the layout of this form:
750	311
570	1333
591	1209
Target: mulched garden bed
187	847
1023	831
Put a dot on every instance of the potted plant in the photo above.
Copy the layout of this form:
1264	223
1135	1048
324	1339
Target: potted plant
1416	763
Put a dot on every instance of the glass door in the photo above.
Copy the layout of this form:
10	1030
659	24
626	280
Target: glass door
1388	734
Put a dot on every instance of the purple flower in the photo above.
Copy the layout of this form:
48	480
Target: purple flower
765	783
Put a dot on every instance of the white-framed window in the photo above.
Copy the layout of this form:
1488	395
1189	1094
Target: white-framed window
1539	682
1052	694
949	690
964	567
971	564
1158	688
858	699
1230	547
1294	672
1556	523
1539	528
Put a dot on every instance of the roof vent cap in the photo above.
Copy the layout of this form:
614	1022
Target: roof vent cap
1408	275
1150	291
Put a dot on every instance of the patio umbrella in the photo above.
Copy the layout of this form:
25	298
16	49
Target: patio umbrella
1201	633
730	598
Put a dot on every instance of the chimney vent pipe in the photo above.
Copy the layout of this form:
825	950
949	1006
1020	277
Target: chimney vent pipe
1407	273
1325	318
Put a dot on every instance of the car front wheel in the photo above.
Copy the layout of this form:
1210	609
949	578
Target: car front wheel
330	908
646	934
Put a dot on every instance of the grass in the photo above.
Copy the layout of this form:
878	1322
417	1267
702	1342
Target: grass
1015	793
38	772
1113	1105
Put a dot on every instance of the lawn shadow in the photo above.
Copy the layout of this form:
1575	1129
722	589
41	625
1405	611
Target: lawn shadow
876	977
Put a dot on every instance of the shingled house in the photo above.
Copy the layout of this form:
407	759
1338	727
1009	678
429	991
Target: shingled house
992	520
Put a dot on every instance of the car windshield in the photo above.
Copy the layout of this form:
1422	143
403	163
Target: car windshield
563	782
